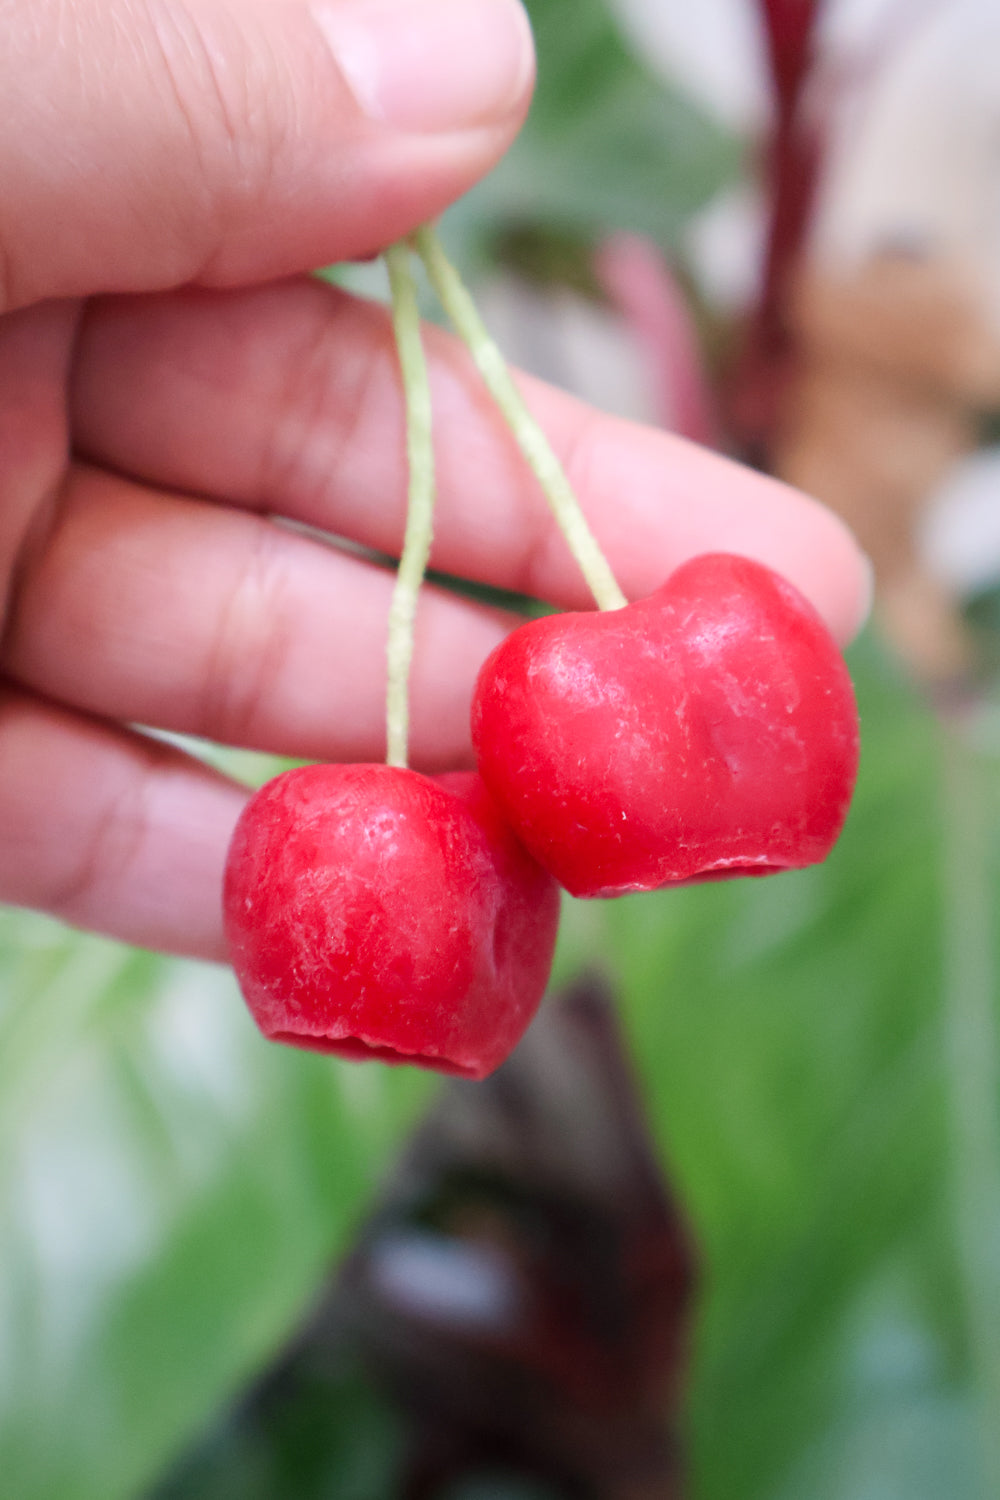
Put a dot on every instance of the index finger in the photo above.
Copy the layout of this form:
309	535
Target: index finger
286	399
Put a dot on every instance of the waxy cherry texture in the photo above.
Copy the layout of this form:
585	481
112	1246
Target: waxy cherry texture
709	730
375	912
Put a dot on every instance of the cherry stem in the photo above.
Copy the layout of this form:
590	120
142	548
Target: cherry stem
420	501
537	450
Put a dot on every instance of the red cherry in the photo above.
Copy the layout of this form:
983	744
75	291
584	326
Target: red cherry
374	912
707	731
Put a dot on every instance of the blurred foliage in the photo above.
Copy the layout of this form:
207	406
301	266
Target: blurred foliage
520	1292
172	1190
981	616
607	145
792	1040
548	257
318	1430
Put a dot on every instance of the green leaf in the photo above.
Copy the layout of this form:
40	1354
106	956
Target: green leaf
791	1039
607	144
171	1190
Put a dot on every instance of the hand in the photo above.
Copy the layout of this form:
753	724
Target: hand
171	381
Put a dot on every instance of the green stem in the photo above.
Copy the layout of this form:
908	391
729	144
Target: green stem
420	504
529	436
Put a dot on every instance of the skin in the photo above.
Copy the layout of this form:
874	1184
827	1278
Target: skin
171	382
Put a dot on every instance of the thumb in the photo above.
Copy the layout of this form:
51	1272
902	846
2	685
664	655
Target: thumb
149	143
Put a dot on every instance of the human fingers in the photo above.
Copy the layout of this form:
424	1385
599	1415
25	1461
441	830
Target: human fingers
111	830
148	143
287	399
160	609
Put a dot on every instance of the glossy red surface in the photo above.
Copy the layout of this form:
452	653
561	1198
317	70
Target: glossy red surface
376	912
707	731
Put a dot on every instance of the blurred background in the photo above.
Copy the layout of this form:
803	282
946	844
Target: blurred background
727	1226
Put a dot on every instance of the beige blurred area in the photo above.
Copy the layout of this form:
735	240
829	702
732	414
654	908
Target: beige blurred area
896	366
895	311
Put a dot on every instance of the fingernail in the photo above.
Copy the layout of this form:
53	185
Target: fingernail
431	65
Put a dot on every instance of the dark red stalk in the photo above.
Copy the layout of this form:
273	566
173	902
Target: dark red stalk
792	169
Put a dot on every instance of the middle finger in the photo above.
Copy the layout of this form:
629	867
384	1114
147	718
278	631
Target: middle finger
162	609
